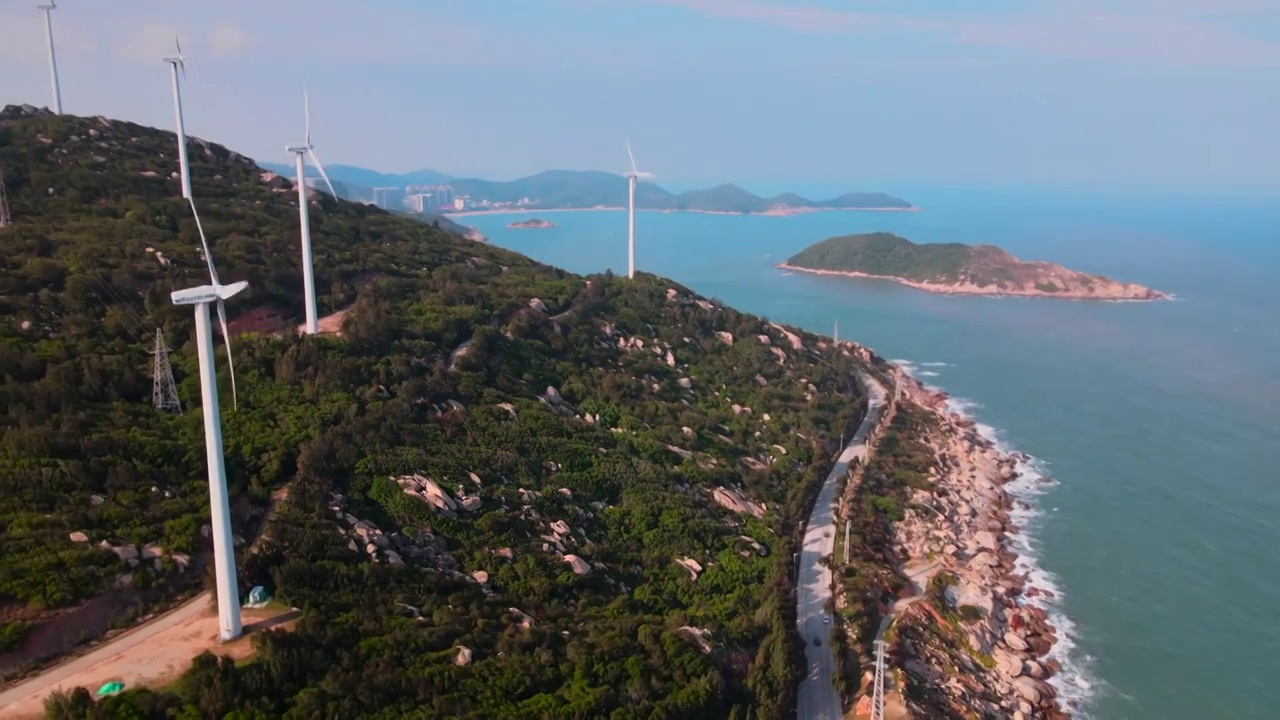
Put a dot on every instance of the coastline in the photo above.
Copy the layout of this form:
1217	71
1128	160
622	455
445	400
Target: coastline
1154	295
787	212
985	595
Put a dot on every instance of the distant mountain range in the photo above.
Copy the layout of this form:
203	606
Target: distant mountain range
590	188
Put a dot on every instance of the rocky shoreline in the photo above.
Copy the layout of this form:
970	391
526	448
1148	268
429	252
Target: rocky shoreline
1110	290
975	643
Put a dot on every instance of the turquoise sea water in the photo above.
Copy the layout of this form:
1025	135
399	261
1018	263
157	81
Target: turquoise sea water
1160	422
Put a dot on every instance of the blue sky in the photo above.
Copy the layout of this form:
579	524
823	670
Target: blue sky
866	94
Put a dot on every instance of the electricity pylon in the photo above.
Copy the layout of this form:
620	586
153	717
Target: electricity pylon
164	394
877	693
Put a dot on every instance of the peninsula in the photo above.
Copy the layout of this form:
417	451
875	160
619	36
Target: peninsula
532	223
957	269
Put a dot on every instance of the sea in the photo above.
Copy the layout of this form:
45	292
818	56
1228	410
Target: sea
1154	428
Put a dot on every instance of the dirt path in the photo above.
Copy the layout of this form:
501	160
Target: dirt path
149	655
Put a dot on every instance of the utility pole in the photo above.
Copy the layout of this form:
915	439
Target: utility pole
877	693
847	523
5	218
164	393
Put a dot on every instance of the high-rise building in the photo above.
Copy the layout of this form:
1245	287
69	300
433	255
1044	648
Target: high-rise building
388	198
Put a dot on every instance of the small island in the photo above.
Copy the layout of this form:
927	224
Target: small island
532	223
957	269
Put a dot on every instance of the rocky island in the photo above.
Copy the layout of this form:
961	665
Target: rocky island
531	223
954	268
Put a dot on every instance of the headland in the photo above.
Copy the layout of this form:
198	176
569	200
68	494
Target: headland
957	269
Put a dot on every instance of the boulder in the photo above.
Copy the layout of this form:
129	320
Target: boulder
685	383
480	576
560	527
463	657
1015	642
580	566
78	537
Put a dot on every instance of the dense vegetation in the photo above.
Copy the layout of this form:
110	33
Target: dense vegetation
615	407
882	253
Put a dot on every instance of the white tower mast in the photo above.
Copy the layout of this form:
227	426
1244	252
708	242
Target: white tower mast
300	153
304	222
176	62
632	177
224	558
53	58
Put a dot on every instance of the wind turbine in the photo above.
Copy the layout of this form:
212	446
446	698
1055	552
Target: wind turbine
53	59
176	62
301	152
632	176
224	558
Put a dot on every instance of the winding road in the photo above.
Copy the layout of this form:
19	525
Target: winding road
817	698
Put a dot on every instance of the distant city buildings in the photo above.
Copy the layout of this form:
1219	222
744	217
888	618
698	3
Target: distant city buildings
388	198
419	198
436	199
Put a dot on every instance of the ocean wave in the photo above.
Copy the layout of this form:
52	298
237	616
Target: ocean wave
927	373
1076	684
935	364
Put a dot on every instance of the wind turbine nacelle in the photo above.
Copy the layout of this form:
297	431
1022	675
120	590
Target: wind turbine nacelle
207	293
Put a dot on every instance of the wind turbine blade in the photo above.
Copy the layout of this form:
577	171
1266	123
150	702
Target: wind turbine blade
226	340
306	108
208	256
315	160
632	157
182	61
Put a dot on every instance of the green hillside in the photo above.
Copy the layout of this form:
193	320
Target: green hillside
883	253
570	416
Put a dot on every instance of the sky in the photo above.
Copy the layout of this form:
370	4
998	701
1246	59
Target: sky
851	94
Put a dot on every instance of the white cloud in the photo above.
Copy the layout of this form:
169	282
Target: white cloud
227	39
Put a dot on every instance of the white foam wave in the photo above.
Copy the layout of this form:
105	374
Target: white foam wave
935	364
1075	684
927	373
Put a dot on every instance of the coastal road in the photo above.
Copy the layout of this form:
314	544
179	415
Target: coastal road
817	698
32	692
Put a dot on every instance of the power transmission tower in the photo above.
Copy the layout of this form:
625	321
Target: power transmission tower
877	693
5	217
164	394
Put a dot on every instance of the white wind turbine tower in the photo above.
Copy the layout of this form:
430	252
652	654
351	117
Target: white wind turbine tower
53	59
632	177
176	62
301	152
224	558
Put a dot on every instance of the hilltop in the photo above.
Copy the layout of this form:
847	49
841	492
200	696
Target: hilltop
956	269
512	491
